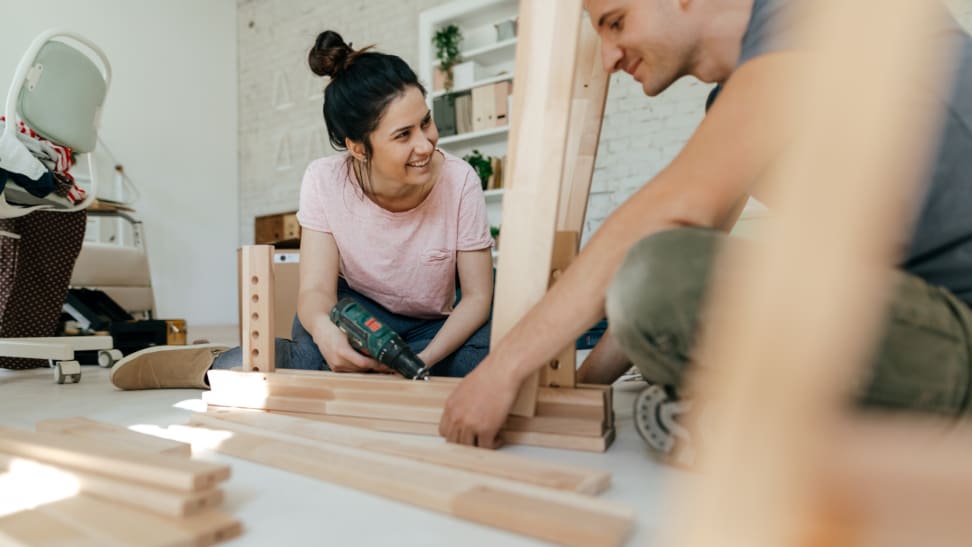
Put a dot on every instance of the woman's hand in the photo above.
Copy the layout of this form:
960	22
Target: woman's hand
341	357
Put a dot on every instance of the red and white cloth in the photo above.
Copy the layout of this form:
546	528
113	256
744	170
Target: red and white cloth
56	158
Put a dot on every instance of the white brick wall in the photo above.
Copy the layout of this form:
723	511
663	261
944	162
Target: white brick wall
281	127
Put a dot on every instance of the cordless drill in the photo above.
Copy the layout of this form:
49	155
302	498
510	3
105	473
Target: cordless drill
367	335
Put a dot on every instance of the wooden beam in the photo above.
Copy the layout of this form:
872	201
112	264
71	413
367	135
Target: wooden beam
82	520
490	462
544	74
794	318
257	307
135	465
161	501
562	371
563	517
114	435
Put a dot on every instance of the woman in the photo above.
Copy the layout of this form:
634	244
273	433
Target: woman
391	221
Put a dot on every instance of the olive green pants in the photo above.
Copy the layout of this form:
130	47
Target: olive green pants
655	301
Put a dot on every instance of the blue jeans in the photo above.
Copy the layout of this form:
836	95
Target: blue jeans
302	353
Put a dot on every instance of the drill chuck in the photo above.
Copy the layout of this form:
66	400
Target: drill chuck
369	336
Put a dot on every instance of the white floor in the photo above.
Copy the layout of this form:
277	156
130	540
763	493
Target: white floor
281	508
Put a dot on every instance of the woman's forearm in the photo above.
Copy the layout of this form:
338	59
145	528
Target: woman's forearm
468	316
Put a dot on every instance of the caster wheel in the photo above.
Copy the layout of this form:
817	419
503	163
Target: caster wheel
655	413
108	357
66	372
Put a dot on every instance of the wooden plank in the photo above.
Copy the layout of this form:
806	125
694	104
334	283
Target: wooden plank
159	470
161	501
257	307
544	76
381	411
490	462
114	435
794	318
583	520
116	524
530	438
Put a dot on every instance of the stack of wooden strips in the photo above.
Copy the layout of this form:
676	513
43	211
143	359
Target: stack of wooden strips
126	488
540	499
572	418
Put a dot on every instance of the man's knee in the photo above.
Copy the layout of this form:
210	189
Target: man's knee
662	273
654	300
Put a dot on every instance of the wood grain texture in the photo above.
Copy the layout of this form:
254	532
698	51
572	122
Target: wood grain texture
489	462
432	486
159	470
544	75
112	434
162	501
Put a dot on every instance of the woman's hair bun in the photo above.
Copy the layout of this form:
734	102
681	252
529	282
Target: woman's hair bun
330	55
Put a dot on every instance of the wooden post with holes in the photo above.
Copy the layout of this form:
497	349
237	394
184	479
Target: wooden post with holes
558	102
256	279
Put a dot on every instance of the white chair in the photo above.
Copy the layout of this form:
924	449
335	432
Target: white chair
58	90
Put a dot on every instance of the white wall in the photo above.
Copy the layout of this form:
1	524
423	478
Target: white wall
171	119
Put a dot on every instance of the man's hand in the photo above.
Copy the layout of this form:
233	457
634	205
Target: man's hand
478	407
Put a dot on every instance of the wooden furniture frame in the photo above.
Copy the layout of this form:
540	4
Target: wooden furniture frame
559	100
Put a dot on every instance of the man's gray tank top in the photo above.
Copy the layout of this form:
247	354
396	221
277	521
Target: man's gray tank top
941	246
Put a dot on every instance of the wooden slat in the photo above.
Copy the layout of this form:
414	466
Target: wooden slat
161	501
134	465
582	520
544	75
85	521
529	438
114	435
257	307
489	462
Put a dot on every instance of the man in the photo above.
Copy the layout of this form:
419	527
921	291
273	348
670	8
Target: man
648	266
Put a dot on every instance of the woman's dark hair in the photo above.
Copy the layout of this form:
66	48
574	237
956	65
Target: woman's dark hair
362	84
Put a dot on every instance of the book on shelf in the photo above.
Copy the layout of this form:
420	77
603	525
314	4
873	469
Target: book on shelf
464	114
495	181
444	114
489	105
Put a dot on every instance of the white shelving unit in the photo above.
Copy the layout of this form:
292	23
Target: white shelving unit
477	20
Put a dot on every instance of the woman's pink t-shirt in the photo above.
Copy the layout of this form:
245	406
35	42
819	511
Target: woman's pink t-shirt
405	261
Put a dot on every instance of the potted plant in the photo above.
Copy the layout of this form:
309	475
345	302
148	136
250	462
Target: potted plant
495	232
483	166
447	41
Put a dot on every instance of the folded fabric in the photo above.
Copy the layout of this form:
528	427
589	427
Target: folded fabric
55	157
44	185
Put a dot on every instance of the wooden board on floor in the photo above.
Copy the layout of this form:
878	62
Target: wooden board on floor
82	520
114	435
162	501
491	462
159	470
563	517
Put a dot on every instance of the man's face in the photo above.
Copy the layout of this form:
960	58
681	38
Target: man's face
648	39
